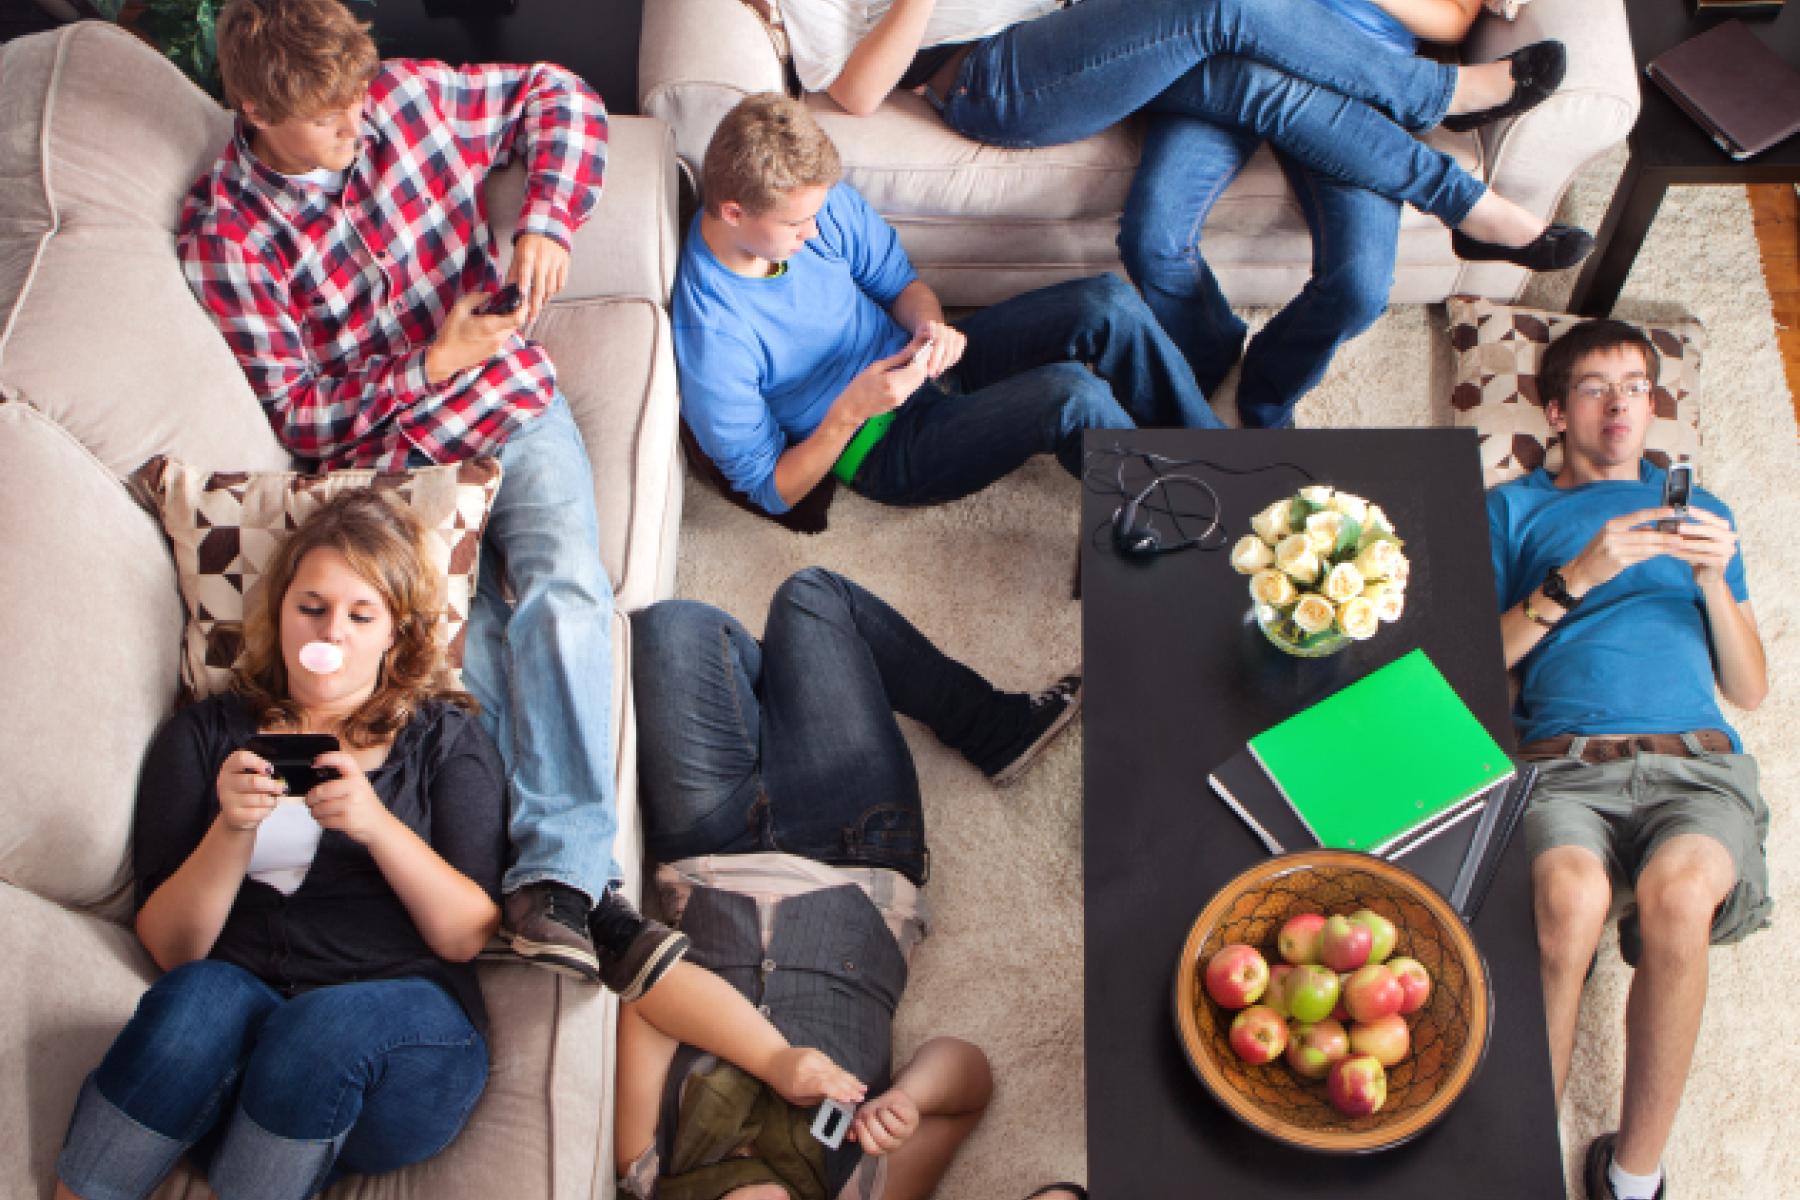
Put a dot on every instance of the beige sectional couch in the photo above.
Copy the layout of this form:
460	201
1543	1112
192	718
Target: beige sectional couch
105	360
982	223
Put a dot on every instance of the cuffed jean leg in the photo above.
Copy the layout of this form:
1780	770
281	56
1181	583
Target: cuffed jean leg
360	1077
695	672
545	683
1323	130
165	1081
1354	235
1075	71
1186	165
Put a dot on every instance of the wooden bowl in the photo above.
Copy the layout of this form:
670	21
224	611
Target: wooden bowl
1449	1035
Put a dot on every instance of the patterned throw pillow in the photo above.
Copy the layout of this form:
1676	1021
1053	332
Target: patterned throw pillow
224	526
1497	351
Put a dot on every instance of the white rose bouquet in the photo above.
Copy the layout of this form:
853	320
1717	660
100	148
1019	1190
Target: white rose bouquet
1323	564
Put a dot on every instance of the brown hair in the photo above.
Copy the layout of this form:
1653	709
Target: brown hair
385	545
1556	370
765	148
293	58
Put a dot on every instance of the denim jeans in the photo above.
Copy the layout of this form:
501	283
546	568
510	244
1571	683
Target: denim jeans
1289	70
541	666
363	1077
792	745
1186	166
1039	369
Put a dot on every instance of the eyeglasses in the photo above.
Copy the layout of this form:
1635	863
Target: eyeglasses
1600	389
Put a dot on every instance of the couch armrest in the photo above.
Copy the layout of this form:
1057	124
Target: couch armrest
696	60
1534	159
627	245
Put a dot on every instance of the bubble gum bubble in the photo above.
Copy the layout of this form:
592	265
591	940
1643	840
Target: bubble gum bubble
321	658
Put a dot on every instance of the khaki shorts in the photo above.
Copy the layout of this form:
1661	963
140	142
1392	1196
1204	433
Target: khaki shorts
1624	810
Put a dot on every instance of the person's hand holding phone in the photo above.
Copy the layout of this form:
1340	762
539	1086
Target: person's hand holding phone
348	803
884	384
1622	542
248	791
540	268
946	345
468	338
1707	542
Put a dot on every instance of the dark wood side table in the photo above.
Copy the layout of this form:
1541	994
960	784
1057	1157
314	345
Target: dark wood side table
1668	148
1177	678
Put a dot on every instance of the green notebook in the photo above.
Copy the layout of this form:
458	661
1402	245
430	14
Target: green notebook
1385	761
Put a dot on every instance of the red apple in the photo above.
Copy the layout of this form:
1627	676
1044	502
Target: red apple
1381	933
1236	976
1311	994
1344	946
1385	1039
1276	994
1373	993
1298	940
1357	1085
1258	1034
1415	983
1312	1049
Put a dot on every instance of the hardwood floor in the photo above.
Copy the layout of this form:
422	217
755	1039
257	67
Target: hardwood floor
1776	211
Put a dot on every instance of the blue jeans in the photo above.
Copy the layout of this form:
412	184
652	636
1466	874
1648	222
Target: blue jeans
792	745
1039	369
1186	166
363	1077
1289	70
541	666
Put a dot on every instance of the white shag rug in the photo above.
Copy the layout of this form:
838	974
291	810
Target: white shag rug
989	578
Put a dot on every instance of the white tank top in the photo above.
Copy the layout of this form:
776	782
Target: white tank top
822	33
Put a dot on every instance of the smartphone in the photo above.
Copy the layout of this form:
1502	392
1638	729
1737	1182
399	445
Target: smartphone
292	754
922	353
1678	491
502	303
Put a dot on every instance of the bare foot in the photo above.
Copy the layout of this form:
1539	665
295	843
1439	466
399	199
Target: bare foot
1484	85
1500	221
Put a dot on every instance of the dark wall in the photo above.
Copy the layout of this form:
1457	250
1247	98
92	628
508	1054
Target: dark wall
597	39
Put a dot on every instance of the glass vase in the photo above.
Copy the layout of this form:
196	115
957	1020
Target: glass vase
1285	636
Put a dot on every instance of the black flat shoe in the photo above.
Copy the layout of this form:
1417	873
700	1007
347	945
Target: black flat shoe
1537	71
1558	247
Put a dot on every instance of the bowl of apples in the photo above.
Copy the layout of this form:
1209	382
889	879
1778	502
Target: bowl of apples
1333	1001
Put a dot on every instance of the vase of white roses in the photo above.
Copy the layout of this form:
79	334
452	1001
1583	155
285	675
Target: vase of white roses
1325	569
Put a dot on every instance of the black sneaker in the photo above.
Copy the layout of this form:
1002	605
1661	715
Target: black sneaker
635	951
1599	1157
546	924
1051	711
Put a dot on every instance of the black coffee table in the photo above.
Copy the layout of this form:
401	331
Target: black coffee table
1177	679
1668	148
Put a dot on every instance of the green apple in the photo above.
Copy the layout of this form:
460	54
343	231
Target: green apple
1381	933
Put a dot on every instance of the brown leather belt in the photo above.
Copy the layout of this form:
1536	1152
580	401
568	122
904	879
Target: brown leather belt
1606	749
944	78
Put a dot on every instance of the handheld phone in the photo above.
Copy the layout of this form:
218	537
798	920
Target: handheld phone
832	1123
1678	491
502	303
923	352
292	754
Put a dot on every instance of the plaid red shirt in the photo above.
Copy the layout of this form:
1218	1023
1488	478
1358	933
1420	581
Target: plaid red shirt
329	301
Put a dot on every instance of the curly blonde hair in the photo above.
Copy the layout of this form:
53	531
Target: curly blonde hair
385	544
293	58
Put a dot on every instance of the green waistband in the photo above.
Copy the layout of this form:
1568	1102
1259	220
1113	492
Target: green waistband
872	431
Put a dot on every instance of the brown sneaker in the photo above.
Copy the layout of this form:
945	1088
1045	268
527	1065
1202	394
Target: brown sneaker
546	924
635	951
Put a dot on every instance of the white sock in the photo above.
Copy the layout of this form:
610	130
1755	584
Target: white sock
1627	1186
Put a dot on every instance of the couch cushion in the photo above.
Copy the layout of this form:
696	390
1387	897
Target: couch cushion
99	140
615	361
91	626
224	528
1495	391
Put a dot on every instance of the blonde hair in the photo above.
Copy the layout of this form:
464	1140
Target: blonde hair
293	58
765	148
384	543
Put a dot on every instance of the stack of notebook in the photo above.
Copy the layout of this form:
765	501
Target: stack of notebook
1395	765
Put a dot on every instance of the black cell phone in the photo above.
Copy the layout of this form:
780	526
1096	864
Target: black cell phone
292	754
502	303
1678	491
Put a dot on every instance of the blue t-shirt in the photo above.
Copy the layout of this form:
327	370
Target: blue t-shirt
761	360
1377	22
1634	656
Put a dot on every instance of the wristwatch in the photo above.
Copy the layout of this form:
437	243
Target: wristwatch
1556	590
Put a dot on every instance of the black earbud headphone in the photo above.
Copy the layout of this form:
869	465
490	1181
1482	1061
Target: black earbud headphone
1135	537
